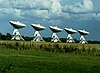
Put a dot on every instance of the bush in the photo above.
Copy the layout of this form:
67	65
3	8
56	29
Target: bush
50	47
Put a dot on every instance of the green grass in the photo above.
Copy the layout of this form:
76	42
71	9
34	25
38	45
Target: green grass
28	57
28	61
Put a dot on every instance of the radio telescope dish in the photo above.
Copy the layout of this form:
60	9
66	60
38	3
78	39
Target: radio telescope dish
83	32
16	34
38	27
37	35
70	31
55	30
82	38
17	25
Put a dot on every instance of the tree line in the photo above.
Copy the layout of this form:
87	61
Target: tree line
8	36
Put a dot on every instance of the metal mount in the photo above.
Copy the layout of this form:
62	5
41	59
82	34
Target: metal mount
70	39
38	37
82	40
55	38
16	35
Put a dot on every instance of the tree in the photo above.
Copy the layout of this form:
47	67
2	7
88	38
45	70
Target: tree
3	37
0	35
8	36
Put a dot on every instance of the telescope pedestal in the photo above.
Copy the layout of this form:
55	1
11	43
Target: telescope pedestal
55	38
16	35
70	39
82	40
38	37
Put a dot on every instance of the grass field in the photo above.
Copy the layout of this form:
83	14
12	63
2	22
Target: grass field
41	61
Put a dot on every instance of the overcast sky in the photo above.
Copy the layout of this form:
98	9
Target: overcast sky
77	14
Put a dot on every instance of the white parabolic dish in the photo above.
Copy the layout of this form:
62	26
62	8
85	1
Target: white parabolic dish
17	25
38	27
55	29
83	32
70	30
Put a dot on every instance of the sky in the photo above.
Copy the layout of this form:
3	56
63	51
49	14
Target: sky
76	14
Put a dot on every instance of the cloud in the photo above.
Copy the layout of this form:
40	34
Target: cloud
30	4
35	13
55	6
81	7
96	16
45	9
21	8
9	11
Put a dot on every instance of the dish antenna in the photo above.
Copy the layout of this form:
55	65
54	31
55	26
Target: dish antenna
37	35
55	30
70	31
17	25
82	38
